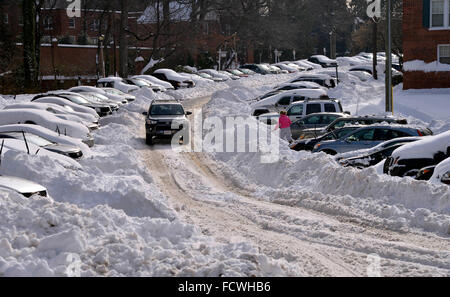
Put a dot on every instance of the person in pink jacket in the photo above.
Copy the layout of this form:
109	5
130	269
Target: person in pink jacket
284	124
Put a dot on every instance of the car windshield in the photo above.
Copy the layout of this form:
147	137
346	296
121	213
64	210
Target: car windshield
77	99
31	138
169	109
140	83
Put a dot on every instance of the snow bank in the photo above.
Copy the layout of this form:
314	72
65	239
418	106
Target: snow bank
419	65
315	181
108	218
60	239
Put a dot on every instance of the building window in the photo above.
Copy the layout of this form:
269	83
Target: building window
95	25
440	13
21	20
71	23
48	23
5	18
444	54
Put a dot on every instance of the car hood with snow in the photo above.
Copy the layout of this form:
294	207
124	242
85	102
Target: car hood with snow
21	186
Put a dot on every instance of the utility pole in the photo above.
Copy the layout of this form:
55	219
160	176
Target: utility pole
389	101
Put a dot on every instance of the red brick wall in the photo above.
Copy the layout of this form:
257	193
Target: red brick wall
420	43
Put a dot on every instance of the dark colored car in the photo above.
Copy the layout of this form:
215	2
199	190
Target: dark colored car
102	109
354	121
366	138
315	120
257	68
370	159
165	119
411	166
308	144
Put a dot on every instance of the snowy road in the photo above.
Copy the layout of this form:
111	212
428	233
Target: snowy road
318	244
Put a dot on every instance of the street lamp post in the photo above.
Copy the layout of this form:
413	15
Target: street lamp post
102	59
389	99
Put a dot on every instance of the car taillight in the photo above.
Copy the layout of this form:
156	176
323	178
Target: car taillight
420	133
302	137
396	161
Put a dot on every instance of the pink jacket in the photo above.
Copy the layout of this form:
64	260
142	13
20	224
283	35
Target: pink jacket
284	122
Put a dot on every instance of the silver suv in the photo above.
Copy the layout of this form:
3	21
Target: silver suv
165	120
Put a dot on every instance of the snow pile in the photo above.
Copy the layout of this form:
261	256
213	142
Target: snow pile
108	218
61	239
315	181
440	170
419	65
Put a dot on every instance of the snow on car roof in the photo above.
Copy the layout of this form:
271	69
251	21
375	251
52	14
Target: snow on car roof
425	148
441	169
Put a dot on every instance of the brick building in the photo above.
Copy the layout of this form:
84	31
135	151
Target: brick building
71	47
426	44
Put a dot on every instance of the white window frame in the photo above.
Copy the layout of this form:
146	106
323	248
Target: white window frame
438	53
446	16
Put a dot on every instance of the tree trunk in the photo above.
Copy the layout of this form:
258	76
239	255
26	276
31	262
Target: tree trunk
375	49
123	40
29	44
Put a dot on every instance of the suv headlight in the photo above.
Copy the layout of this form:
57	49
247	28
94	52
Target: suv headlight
151	122
446	178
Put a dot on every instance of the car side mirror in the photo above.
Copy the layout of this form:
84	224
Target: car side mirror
188	112
145	113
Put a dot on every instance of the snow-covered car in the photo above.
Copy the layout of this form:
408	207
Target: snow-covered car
49	135
259	69
176	80
99	98
306	65
299	86
230	75
409	159
209	77
61	112
366	138
442	173
62	149
247	71
322	79
128	97
88	89
237	72
47	120
287	68
370	157
22	186
117	83
324	61
17	145
215	73
283	100
76	101
142	83
155	81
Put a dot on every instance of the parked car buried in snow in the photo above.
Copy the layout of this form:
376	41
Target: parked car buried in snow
47	120
22	186
409	159
176	80
117	83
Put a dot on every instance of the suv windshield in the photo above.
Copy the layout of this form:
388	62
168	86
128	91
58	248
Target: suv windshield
169	109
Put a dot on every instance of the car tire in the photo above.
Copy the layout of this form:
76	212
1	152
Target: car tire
329	152
149	139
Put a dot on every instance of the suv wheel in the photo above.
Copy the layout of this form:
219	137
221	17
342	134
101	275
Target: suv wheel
149	139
